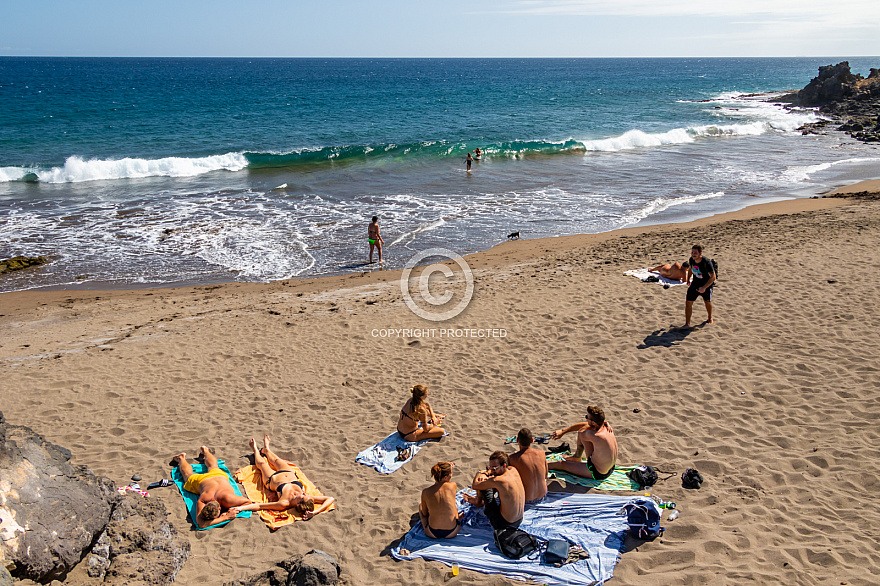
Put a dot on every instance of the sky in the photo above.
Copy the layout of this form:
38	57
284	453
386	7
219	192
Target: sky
427	28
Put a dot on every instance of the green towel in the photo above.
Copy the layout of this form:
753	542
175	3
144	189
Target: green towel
192	499
617	481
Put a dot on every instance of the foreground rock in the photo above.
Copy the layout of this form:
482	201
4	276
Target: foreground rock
845	97
139	545
316	568
21	262
51	513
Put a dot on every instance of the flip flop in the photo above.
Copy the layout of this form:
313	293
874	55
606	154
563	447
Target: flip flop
403	454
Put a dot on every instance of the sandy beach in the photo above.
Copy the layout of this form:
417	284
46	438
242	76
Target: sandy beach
777	404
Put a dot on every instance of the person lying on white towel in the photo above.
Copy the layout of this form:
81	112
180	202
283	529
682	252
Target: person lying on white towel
672	271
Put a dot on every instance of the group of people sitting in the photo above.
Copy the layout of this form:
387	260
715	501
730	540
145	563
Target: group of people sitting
504	489
216	493
512	482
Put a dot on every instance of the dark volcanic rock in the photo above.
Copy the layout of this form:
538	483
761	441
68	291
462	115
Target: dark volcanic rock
63	507
833	84
843	96
21	262
52	513
139	545
316	568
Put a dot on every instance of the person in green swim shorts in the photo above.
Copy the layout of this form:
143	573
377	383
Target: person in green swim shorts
595	442
375	238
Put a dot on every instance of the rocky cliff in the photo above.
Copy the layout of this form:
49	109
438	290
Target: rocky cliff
846	97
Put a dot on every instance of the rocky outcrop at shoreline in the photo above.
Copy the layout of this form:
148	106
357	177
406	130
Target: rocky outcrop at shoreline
21	262
54	514
843	96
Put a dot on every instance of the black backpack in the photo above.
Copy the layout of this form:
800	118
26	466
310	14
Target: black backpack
643	476
515	543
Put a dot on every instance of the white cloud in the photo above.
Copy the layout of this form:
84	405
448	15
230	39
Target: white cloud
854	10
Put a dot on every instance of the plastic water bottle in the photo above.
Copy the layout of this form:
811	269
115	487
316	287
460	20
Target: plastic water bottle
667	505
673	516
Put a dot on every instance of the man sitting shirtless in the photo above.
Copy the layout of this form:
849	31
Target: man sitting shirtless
595	441
674	271
507	510
214	490
531	463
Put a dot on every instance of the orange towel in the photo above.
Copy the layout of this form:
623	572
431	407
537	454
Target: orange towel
252	480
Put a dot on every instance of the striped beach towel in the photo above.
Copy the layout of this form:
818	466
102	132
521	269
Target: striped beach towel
617	481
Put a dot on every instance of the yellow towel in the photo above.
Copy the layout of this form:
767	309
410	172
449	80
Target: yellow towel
252	480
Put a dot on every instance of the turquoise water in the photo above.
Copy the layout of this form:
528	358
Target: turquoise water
137	172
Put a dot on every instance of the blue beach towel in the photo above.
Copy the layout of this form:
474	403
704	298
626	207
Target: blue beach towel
383	456
191	498
588	520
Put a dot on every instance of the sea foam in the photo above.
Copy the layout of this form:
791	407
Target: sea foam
662	203
77	169
797	173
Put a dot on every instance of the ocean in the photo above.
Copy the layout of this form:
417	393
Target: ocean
159	172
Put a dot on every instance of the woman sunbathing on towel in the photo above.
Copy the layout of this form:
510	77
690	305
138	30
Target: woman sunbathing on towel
280	478
417	420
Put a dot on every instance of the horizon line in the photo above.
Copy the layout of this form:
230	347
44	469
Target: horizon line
849	56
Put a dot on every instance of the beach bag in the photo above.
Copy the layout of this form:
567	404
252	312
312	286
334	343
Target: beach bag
643	518
515	543
556	553
643	475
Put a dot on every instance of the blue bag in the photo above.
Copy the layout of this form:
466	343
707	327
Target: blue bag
643	518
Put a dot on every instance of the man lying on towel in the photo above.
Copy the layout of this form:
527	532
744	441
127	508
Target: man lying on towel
675	271
595	441
501	477
214	490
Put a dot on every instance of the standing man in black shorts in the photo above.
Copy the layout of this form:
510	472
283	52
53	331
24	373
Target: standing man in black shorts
700	278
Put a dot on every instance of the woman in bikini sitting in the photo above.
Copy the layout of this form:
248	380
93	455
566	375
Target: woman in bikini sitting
417	420
437	510
280	478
